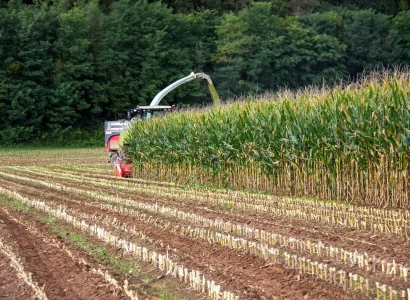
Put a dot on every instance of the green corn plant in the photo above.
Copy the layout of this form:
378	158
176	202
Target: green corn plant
349	143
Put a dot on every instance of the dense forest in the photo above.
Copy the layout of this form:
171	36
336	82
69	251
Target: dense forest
66	66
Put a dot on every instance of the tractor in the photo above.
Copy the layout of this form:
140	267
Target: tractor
114	140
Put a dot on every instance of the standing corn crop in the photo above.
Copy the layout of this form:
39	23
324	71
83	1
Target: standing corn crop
350	143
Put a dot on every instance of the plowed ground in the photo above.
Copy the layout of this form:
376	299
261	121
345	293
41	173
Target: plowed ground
67	263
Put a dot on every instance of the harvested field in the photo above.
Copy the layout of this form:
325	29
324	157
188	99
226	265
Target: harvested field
84	234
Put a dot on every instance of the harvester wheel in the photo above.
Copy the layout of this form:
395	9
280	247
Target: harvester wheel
113	159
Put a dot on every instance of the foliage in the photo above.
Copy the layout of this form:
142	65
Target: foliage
371	41
312	123
70	64
26	62
260	51
402	25
362	127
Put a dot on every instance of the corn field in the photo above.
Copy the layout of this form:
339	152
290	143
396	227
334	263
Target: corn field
194	242
231	202
348	143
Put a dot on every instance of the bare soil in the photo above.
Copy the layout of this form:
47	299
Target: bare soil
12	286
387	247
247	276
62	277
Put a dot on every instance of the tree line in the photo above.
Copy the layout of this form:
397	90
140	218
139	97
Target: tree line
66	66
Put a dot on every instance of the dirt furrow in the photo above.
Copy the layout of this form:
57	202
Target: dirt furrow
62	277
384	246
98	257
12	286
243	273
139	224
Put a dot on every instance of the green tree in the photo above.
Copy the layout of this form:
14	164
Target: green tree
144	47
322	62
217	5
194	34
402	25
233	45
382	6
257	51
27	65
329	23
404	4
371	41
131	51
73	69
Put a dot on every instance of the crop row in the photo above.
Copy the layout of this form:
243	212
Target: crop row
21	157
384	187
251	198
366	218
16	264
52	242
106	171
348	281
400	216
362	261
159	261
374	221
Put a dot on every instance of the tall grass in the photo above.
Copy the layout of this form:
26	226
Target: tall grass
349	143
